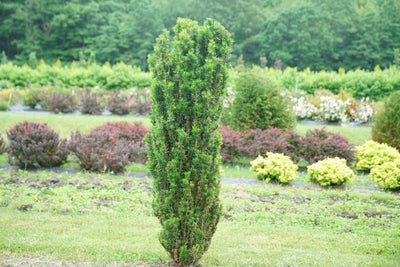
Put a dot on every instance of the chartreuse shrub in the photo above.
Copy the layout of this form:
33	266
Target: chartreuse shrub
330	171
387	122
372	154
189	77
35	145
258	103
387	175
275	166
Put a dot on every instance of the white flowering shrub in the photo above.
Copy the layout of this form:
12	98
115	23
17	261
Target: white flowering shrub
364	112
333	110
303	109
229	98
276	167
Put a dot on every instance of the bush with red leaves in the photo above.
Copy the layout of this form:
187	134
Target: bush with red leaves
110	147
318	144
35	145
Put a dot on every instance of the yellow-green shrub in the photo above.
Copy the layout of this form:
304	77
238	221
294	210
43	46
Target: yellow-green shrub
276	167
372	154
330	171
387	175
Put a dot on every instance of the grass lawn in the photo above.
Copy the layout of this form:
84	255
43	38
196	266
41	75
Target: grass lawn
91	219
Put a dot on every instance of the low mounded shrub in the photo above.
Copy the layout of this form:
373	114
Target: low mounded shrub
142	101
231	143
387	122
387	175
63	102
318	144
275	167
35	145
330	171
110	147
119	104
372	154
89	102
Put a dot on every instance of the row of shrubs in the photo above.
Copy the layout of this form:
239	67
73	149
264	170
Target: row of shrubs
114	77
359	83
86	100
381	160
112	146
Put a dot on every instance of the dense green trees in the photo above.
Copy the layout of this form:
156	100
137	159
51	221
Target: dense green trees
319	34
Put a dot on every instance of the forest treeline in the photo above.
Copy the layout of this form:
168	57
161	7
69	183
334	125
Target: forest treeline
319	34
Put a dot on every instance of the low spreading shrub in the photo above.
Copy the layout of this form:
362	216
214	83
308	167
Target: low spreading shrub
372	154
119	104
330	171
275	166
89	102
231	144
387	175
318	144
387	122
58	101
35	145
110	147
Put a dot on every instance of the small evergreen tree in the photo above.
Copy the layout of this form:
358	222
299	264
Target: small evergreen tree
184	146
4	59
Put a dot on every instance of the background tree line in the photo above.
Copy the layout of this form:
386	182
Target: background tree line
319	34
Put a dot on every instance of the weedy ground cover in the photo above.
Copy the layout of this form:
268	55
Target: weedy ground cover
91	219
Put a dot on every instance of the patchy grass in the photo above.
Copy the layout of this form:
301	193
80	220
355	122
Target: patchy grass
89	219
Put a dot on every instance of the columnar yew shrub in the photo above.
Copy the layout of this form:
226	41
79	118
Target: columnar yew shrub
184	146
387	122
35	145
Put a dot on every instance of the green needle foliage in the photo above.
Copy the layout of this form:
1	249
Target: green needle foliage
184	147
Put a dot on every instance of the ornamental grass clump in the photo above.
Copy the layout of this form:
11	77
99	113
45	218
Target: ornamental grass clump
35	145
189	77
2	145
274	167
372	154
330	171
387	175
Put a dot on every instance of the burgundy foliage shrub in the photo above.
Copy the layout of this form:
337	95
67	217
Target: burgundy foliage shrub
119	104
318	144
35	145
60	102
110	147
231	143
89	102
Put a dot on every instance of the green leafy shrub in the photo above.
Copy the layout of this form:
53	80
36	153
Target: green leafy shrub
372	154
89	102
119	104
35	145
36	96
275	166
184	147
110	147
387	175
59	101
330	171
258	103
387	122
3	105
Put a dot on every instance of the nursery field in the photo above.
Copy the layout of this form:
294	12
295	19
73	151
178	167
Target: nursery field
50	219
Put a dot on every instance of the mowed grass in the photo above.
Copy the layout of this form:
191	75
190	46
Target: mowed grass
65	124
90	219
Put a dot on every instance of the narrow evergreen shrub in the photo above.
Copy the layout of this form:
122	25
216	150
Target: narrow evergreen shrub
90	103
258	103
59	101
275	166
319	144
119	104
110	147
387	122
387	175
372	154
330	171
2	145
184	146
35	145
